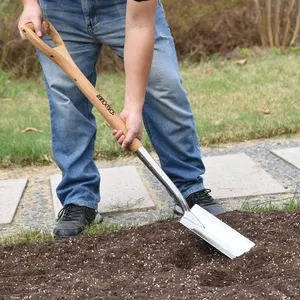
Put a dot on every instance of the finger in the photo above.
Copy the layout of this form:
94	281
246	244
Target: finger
128	140
114	131
44	28
118	134
121	139
37	26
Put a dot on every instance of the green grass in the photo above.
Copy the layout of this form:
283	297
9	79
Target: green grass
101	228
225	97
23	104
41	236
291	204
26	237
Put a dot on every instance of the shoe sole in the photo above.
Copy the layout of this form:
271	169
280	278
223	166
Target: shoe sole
98	219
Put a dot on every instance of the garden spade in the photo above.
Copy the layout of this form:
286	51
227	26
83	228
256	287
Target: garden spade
198	220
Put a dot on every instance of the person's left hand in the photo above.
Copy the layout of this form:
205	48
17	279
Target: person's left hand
133	121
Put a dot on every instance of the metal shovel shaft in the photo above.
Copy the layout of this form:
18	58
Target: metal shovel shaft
156	170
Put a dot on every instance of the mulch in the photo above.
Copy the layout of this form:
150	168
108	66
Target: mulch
159	261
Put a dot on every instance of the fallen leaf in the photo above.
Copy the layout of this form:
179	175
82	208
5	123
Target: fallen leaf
218	122
30	129
265	111
242	61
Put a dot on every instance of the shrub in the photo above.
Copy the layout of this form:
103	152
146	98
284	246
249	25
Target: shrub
200	28
278	22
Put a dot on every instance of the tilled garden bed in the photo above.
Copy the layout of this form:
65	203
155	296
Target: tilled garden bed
159	261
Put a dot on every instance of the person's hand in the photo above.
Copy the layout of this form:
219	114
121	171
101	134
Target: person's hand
32	13
133	121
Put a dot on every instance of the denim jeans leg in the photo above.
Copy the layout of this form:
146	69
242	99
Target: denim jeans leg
168	117
73	125
167	114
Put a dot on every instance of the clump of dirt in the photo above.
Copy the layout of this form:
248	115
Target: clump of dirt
159	261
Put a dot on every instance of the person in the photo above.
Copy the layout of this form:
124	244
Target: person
137	31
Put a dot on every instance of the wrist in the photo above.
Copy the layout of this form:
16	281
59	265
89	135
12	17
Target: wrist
134	104
29	2
136	109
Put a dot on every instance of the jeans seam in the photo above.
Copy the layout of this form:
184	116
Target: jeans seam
106	22
147	126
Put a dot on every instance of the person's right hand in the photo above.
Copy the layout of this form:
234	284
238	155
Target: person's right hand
32	13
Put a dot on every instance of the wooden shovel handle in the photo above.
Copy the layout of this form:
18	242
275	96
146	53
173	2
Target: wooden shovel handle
60	55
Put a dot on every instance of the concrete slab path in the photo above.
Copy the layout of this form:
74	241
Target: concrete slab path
121	190
237	175
11	191
291	155
252	171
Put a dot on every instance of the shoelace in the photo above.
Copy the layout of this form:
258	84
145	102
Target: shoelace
70	212
201	197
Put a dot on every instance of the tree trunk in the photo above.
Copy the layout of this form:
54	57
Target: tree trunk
277	23
269	23
260	24
297	26
288	24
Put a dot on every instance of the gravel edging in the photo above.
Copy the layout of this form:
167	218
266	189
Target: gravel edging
35	209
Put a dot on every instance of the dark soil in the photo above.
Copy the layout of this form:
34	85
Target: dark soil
159	261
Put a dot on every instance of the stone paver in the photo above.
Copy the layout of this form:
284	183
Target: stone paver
121	190
237	175
291	155
11	191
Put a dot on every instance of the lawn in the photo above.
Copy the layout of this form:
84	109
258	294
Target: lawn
231	102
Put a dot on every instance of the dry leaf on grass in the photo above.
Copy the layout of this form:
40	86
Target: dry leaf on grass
218	122
242	61
31	129
265	111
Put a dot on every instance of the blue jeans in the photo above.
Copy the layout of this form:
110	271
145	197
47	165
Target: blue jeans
85	25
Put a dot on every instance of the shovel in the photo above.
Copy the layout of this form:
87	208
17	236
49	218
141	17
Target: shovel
198	220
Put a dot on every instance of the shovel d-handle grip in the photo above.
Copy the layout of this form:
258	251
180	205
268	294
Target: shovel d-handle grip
60	55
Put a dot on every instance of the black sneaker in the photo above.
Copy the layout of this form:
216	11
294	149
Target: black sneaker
205	200
72	220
